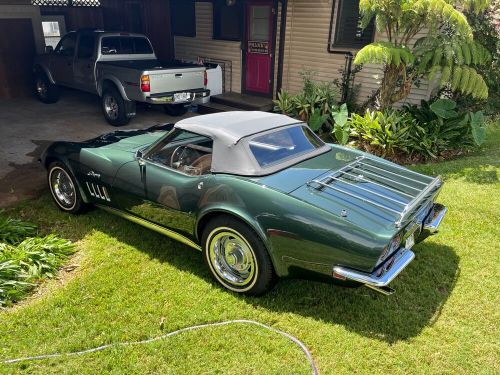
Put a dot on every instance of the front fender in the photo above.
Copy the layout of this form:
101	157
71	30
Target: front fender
41	67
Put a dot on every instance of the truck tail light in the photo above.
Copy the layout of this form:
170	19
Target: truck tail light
145	83
205	79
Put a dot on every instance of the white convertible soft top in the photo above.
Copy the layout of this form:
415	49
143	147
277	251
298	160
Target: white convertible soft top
230	132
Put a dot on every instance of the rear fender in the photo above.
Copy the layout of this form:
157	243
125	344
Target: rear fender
113	81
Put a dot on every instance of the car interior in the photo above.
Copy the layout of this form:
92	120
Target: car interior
192	156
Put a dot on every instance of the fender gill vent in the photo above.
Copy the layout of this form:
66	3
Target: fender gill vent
97	191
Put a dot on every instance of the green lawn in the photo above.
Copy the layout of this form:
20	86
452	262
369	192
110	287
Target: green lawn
444	317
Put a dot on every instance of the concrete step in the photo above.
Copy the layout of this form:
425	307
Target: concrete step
243	101
212	107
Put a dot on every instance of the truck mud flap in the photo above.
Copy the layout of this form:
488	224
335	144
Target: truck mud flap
130	108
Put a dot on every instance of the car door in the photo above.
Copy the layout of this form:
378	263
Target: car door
163	189
61	62
84	63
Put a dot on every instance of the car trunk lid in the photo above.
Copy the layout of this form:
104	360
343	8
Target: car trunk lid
173	80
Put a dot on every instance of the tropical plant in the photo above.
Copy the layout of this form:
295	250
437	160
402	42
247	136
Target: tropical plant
341	128
24	261
284	104
316	119
404	64
386	132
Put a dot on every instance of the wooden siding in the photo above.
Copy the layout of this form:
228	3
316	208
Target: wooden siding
187	48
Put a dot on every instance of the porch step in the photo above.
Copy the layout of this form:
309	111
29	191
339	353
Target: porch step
205	109
243	101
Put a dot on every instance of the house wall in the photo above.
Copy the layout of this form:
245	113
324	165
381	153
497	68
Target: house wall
202	45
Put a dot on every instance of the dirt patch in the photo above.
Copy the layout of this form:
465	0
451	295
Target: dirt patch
25	180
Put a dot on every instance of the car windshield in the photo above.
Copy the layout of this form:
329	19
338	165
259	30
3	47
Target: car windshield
284	144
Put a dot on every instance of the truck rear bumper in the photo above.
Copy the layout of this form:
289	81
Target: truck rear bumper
177	97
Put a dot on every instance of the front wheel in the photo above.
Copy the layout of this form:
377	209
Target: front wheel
237	257
64	189
114	108
176	110
45	90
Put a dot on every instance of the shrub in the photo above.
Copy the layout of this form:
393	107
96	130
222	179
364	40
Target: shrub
24	262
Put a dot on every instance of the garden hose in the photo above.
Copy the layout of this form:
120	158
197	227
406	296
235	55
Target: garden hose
295	340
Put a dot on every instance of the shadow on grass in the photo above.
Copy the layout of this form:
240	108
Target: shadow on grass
421	289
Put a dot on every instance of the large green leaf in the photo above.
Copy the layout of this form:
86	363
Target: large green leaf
444	108
316	120
341	134
340	116
478	126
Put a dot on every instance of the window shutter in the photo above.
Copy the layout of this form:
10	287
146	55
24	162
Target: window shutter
348	33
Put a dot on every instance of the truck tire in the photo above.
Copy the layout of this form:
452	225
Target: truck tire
45	90
176	110
114	108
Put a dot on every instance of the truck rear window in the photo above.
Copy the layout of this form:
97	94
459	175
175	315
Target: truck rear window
125	45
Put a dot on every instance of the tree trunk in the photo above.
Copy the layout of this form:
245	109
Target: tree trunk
394	86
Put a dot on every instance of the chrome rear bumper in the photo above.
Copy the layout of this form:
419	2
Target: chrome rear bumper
379	279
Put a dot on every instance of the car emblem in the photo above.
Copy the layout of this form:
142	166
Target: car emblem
93	174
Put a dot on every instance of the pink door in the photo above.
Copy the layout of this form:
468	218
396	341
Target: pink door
259	47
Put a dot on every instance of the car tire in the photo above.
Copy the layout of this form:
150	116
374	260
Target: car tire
236	257
175	110
45	90
64	189
114	108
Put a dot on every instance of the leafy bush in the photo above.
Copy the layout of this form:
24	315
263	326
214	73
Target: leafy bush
24	262
14	231
315	101
386	131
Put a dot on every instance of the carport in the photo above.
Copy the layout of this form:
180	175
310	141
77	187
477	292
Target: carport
26	125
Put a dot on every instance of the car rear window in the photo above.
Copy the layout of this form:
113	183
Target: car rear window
284	144
125	45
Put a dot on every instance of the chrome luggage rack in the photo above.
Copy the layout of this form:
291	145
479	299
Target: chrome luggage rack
365	175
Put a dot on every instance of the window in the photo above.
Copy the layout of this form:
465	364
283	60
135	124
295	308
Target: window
347	32
86	46
183	17
184	152
125	45
284	144
228	20
66	47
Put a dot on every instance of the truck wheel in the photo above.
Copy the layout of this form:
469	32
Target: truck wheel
45	91
113	106
237	257
176	110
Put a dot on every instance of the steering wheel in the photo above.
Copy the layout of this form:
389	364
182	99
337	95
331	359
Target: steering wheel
177	156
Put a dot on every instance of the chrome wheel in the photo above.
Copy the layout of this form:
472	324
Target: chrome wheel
62	188
41	88
111	107
232	258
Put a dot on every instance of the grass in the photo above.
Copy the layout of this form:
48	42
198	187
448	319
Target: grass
444	317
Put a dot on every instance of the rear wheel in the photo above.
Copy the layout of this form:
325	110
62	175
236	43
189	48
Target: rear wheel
64	189
45	90
176	109
113	106
237	257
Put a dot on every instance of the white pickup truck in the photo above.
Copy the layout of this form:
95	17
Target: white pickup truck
122	69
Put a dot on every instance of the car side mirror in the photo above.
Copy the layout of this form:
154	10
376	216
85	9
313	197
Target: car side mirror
139	154
49	50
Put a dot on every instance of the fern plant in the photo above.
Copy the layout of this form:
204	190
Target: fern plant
403	64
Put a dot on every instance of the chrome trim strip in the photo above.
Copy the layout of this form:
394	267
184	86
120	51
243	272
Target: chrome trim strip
361	177
395	174
402	258
431	225
155	227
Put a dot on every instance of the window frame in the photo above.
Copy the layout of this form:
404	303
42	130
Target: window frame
217	20
333	43
190	33
78	45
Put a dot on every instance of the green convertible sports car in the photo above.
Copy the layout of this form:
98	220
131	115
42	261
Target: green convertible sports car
259	194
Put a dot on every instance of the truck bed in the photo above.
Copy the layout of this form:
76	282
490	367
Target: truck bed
149	64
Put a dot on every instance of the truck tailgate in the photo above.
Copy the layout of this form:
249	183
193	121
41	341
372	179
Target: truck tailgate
172	80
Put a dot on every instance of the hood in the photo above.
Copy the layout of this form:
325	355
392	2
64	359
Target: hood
363	189
129	140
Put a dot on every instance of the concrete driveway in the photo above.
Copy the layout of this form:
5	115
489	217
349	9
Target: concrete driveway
28	126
